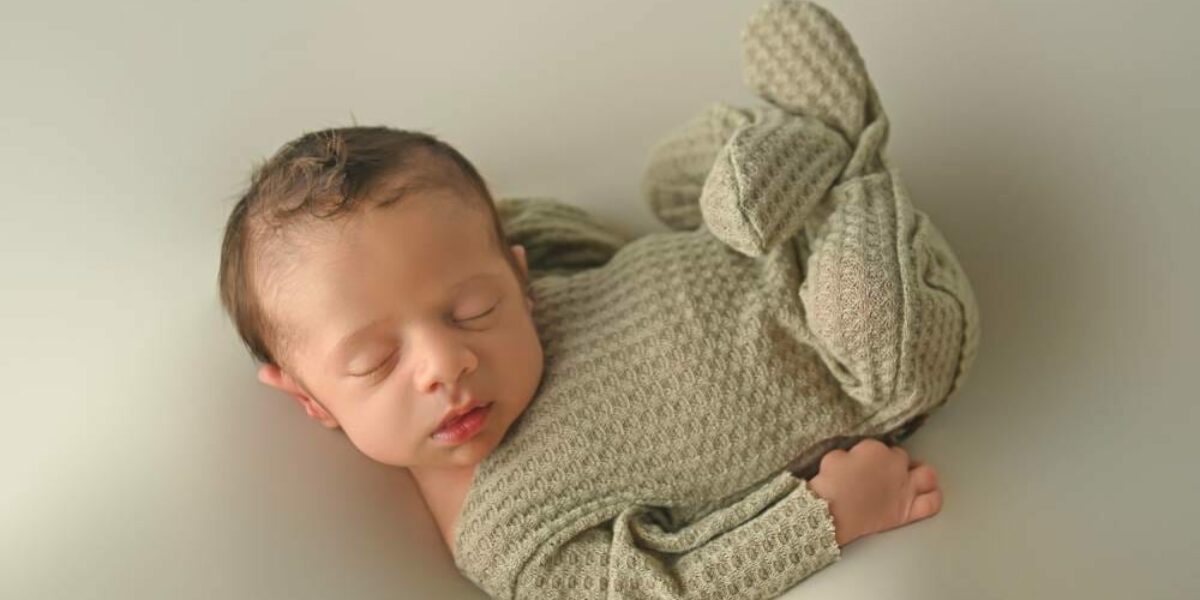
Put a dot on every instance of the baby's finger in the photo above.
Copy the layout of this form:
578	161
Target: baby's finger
923	479
925	506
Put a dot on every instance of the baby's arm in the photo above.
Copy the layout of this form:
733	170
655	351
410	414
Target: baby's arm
757	548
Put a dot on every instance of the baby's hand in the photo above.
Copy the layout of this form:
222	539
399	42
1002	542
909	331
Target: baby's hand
874	488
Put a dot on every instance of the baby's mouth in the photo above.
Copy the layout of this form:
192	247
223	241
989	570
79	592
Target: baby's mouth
463	427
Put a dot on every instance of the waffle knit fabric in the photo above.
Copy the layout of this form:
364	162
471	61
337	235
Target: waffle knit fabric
798	296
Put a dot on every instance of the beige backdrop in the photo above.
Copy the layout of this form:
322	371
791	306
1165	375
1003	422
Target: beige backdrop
1055	144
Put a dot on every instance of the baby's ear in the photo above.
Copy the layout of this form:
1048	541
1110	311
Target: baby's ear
272	375
519	251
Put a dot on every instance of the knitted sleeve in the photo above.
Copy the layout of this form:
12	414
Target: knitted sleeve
558	237
755	548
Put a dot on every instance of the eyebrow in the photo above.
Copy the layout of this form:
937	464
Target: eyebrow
352	338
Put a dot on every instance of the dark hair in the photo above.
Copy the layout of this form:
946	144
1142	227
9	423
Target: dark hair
326	175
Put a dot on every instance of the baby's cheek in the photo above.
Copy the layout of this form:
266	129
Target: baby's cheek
374	446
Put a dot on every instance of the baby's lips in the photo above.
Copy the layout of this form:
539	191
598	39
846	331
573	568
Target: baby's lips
456	420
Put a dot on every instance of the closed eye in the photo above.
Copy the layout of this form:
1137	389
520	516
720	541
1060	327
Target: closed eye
389	357
376	367
481	315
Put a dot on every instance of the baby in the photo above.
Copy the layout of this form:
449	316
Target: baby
695	413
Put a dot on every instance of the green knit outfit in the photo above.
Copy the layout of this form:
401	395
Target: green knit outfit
799	297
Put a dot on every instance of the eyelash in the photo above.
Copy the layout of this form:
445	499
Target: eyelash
480	315
389	357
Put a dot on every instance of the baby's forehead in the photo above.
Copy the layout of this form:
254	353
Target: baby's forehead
300	277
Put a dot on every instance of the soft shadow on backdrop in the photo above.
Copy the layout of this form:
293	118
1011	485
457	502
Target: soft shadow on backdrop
1055	145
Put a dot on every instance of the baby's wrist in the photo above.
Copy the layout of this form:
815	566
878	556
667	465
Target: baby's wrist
842	536
841	532
844	530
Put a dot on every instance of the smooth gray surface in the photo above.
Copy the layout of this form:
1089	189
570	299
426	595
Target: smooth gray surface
1055	144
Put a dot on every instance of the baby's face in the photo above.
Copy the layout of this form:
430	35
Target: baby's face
403	315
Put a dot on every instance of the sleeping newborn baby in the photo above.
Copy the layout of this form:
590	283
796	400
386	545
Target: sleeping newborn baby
705	412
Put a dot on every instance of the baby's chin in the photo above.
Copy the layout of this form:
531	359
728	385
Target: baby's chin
473	451
467	454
